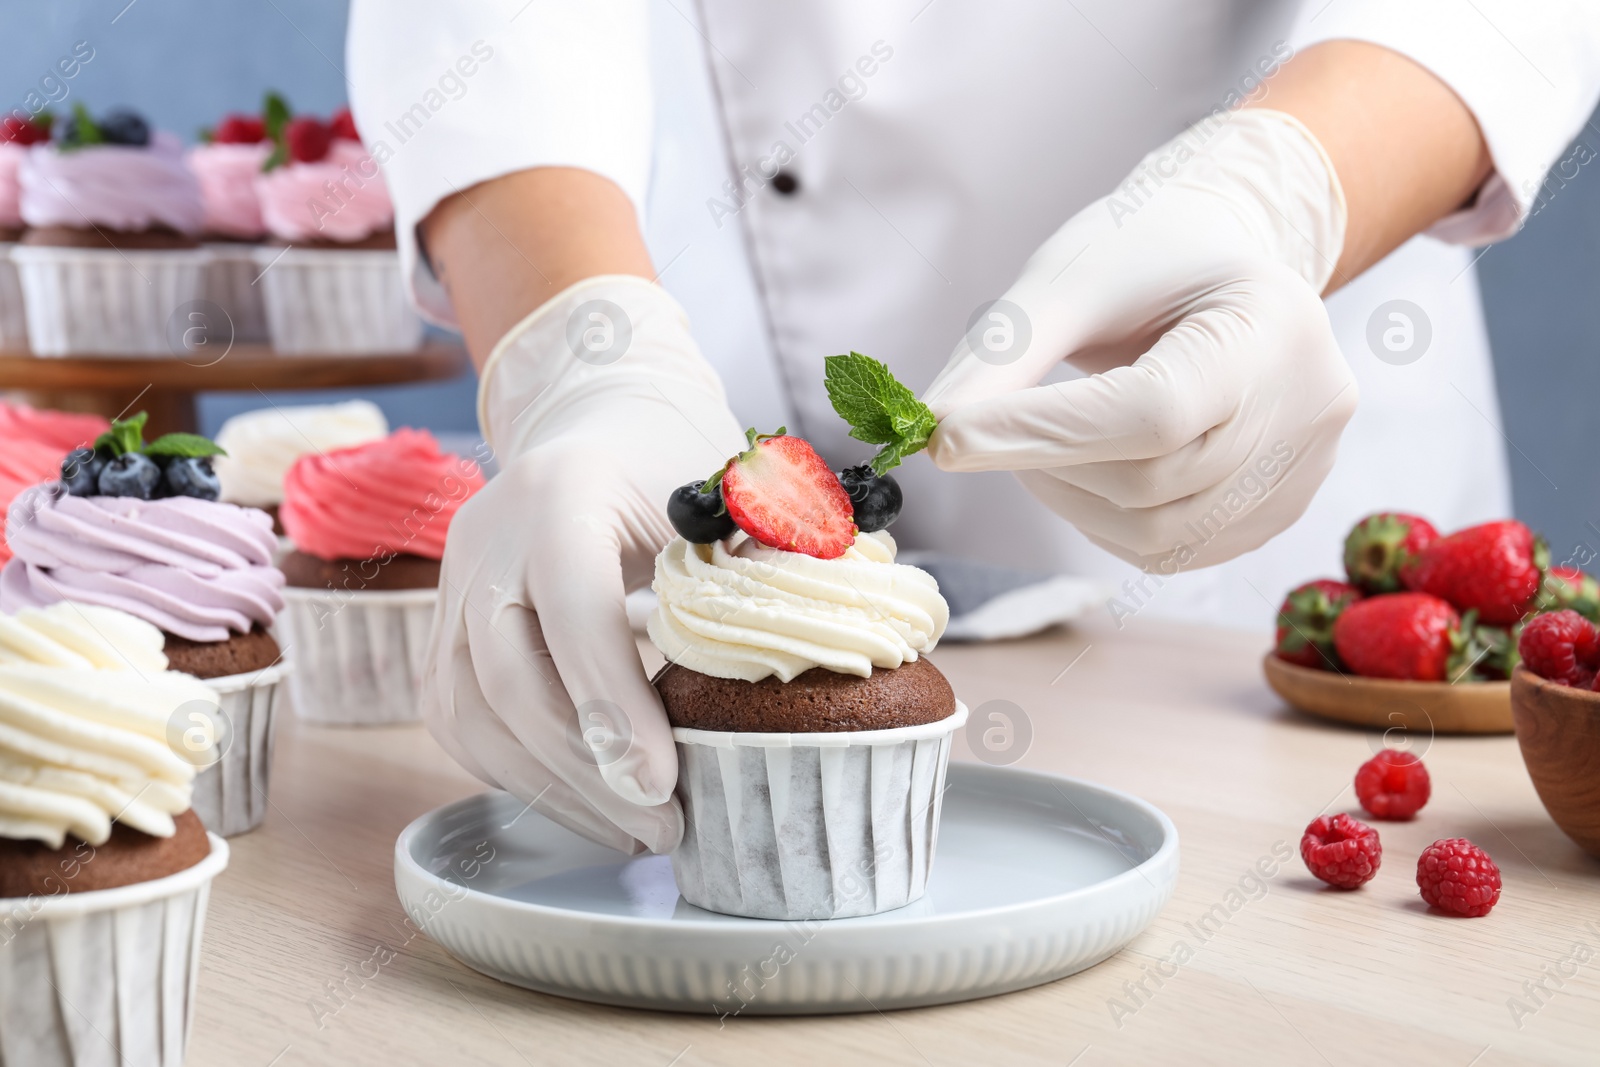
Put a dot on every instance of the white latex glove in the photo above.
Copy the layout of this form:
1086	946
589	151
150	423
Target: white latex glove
1208	260
536	685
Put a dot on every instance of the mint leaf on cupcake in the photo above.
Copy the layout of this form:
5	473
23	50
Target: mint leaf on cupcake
184	445
879	409
125	435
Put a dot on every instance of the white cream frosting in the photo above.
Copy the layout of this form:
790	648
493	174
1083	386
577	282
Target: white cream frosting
738	609
262	445
85	699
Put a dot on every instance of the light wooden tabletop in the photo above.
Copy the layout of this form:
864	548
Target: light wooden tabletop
1294	973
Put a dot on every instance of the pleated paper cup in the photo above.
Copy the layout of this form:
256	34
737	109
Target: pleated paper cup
810	825
231	285
358	656
106	302
330	300
104	978
231	796
13	313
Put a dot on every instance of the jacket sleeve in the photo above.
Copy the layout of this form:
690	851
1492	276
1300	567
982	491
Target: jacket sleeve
1529	70
448	95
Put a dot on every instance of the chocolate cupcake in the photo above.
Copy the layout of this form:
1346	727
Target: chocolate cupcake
104	869
139	528
368	527
803	678
111	210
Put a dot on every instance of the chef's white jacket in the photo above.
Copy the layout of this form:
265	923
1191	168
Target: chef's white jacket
818	177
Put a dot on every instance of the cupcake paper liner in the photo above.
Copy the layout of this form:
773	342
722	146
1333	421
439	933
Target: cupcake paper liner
358	656
104	978
231	796
231	285
810	825
105	302
13	314
333	300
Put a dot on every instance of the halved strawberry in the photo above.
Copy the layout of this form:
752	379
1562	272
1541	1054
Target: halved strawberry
781	493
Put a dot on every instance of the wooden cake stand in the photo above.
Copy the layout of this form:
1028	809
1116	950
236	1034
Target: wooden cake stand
166	386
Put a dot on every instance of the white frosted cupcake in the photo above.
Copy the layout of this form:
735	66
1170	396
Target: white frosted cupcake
812	731
104	871
262	445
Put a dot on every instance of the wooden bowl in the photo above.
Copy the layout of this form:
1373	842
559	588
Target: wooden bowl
1420	707
1558	729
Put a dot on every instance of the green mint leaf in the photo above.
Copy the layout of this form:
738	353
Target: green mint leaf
275	115
279	156
125	435
207	135
879	409
183	444
84	130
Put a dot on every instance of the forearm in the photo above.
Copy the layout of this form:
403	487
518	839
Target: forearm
504	247
1408	152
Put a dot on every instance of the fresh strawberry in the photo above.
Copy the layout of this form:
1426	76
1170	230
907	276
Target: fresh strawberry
1494	569
1305	622
1561	646
24	131
239	129
308	139
1405	635
1380	545
783	494
343	125
1568	587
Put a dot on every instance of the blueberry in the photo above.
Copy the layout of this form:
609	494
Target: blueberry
191	476
130	474
875	497
700	518
122	126
80	471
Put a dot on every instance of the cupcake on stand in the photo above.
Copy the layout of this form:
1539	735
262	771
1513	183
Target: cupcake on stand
17	135
332	281
111	253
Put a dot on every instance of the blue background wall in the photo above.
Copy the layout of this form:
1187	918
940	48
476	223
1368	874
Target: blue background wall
184	62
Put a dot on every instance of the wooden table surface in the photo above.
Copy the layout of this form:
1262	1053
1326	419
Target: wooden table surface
1293	974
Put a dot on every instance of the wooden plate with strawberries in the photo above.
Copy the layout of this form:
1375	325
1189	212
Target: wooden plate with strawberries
1414	707
1423	634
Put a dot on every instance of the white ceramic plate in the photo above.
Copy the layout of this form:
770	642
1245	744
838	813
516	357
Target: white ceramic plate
1037	877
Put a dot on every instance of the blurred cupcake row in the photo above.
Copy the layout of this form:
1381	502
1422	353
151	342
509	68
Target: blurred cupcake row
145	654
117	240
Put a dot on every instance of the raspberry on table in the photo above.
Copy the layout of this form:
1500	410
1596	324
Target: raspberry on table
1393	785
1341	851
1561	646
1458	877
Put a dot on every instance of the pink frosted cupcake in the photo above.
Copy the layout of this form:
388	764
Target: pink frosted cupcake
111	255
35	442
226	165
368	526
337	288
17	135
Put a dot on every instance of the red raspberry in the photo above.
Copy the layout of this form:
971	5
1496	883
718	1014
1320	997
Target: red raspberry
1459	877
19	130
308	140
1561	646
1341	851
1393	785
343	125
239	129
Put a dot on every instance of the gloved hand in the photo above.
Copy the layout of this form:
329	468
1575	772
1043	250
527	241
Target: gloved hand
1204	270
597	406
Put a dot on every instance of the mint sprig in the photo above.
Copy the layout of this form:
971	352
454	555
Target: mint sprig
190	445
275	116
878	408
82	131
127	435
